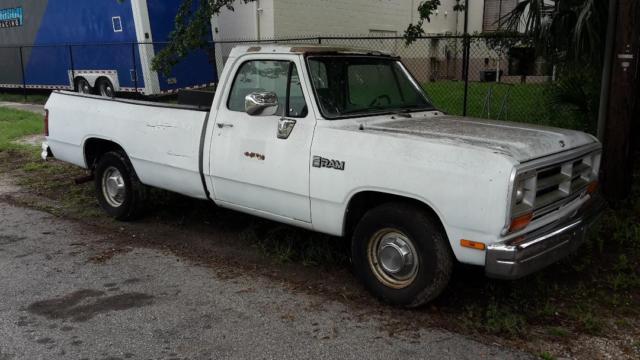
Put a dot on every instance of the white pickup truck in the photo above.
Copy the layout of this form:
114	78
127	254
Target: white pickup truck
346	142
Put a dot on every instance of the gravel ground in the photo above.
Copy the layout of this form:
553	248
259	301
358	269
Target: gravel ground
64	296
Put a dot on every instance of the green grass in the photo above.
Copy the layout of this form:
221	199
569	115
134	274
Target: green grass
547	356
523	102
20	98
15	124
558	331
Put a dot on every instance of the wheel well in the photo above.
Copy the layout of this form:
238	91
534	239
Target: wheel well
103	78
367	200
94	148
77	80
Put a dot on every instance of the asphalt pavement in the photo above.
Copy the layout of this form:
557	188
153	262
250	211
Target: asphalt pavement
64	295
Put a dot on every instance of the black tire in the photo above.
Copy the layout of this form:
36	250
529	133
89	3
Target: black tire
83	87
105	88
427	279
128	204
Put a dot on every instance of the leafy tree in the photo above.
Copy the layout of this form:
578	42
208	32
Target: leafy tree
425	10
192	31
570	30
570	33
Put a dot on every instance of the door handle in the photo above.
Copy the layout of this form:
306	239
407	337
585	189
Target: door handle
223	125
285	127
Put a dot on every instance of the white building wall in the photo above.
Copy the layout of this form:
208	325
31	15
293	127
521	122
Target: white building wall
264	19
338	17
267	19
248	21
476	17
252	21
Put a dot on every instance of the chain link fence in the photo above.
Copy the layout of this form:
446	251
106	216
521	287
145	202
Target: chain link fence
493	77
480	76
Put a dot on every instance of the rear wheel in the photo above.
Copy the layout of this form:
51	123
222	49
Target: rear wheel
106	88
119	191
83	86
401	254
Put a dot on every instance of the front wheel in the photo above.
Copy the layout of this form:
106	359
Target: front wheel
119	191
401	254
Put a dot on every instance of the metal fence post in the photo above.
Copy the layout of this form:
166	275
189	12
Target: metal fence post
466	58
465	72
24	81
73	68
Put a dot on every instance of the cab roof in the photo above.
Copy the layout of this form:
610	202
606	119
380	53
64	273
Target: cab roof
302	49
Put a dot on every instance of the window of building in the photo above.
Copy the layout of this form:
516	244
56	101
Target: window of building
494	11
117	24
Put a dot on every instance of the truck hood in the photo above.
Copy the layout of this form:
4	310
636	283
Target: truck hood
520	141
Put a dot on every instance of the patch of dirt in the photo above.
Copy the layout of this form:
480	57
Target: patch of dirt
7	184
32	140
107	255
34	108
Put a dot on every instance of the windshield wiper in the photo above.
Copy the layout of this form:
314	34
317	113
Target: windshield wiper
364	111
411	108
383	110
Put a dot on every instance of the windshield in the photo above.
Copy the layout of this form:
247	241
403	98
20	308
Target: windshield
348	86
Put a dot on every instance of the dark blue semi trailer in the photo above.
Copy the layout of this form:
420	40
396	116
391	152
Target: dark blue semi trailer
101	46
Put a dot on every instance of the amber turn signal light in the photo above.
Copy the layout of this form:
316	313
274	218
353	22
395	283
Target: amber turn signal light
592	188
472	244
521	222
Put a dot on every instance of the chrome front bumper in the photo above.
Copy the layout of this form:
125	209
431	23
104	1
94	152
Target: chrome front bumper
529	253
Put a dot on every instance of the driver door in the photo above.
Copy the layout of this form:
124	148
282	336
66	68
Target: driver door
254	165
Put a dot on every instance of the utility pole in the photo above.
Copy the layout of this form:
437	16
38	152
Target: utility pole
624	95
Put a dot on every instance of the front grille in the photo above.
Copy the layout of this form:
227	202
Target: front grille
561	183
543	187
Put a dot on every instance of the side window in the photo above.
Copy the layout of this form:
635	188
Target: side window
269	75
297	105
259	75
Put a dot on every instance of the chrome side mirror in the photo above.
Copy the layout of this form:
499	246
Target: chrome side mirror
261	103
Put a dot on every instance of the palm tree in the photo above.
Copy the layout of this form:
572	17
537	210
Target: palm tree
570	30
571	34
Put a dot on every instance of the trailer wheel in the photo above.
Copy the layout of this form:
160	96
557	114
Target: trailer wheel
83	86
106	88
401	255
119	191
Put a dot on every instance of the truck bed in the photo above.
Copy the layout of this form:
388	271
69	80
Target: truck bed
163	141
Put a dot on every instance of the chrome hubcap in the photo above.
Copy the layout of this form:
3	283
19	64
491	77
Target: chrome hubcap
84	87
393	258
113	187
